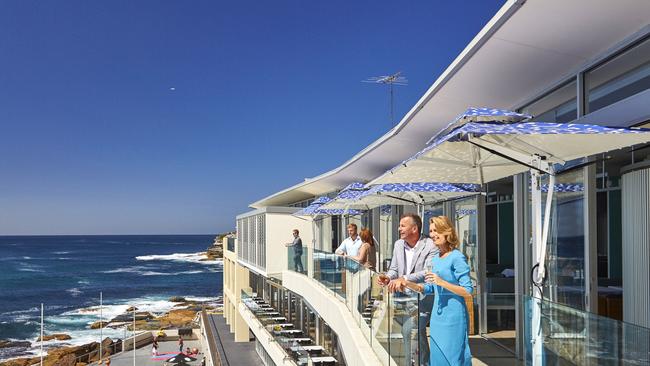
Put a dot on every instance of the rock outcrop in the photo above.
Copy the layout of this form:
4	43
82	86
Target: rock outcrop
4	343
215	251
55	336
97	325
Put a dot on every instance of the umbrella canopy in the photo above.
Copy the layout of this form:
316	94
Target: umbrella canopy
473	114
310	210
481	149
346	198
316	208
481	152
180	359
416	193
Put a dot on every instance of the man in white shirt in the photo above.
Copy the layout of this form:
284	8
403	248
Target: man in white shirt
351	245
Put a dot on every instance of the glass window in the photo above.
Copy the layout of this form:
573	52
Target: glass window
560	105
618	78
324	226
387	233
565	258
466	220
429	212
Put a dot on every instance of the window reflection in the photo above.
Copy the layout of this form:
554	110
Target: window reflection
619	78
557	106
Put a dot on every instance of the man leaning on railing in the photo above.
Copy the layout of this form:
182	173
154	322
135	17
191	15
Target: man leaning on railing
297	251
410	255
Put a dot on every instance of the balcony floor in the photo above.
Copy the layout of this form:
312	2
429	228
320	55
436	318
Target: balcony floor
485	352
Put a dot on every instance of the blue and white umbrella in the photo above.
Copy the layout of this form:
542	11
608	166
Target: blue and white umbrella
415	193
346	199
490	146
316	208
312	207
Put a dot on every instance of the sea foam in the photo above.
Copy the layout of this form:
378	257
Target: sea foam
199	257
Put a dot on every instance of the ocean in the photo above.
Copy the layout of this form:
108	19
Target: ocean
67	273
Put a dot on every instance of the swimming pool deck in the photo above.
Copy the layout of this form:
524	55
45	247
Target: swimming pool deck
143	355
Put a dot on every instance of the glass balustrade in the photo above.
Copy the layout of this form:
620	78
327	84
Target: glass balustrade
388	321
559	334
297	259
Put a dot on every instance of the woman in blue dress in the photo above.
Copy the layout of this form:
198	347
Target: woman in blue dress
450	282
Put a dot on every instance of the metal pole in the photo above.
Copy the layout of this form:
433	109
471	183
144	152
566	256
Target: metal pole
42	334
101	325
536	336
392	118
134	336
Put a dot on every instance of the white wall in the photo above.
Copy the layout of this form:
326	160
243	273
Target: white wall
279	228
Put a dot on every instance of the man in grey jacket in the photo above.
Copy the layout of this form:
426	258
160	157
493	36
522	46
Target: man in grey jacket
297	251
410	255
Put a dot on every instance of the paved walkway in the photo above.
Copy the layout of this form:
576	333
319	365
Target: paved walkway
143	355
234	353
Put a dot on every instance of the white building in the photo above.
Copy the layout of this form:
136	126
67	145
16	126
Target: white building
559	60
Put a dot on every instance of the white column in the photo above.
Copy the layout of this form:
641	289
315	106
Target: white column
635	192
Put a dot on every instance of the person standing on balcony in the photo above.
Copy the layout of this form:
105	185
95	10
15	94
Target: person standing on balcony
451	283
367	254
410	255
351	245
297	251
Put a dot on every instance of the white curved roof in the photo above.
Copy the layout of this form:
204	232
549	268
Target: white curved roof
524	48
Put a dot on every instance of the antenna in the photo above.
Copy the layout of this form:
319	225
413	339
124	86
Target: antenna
390	80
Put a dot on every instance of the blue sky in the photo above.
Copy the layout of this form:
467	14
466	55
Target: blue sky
94	141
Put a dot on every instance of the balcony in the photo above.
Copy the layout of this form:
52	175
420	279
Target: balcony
298	348
388	322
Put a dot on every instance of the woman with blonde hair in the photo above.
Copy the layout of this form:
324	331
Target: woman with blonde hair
450	282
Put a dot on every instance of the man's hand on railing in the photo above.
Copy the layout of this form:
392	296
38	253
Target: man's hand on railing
398	284
383	280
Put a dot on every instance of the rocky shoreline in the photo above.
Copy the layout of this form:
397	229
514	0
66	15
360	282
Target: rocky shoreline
215	251
183	315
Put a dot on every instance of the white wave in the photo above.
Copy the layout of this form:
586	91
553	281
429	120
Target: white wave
24	311
26	257
83	282
144	271
153	273
203	299
74	291
199	257
59	253
30	269
134	269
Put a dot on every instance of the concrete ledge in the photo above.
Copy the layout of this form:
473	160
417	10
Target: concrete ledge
356	349
141	340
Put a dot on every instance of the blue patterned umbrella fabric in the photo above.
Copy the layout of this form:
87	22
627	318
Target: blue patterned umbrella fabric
315	208
488	146
483	115
481	152
346	199
310	210
416	193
